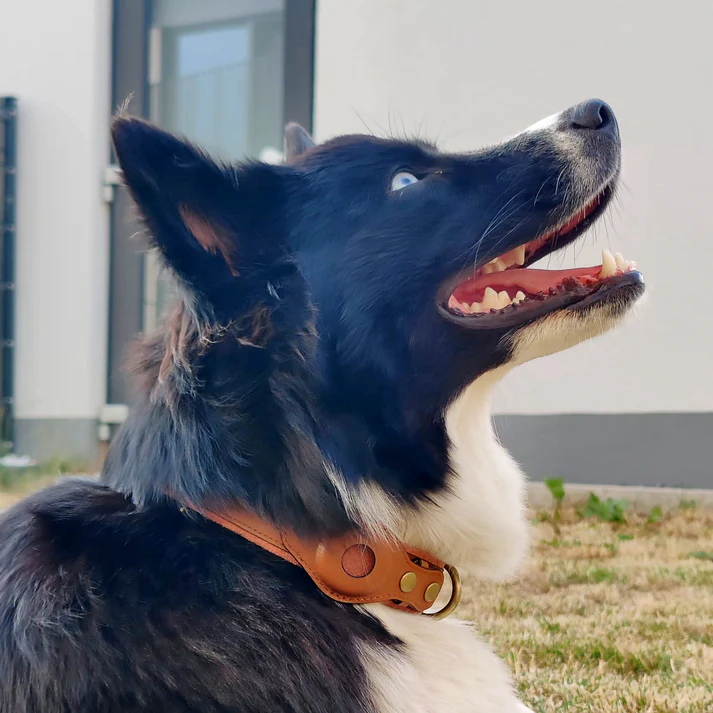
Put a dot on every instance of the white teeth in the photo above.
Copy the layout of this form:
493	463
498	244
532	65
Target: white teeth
496	265
515	257
490	299
609	267
624	265
613	264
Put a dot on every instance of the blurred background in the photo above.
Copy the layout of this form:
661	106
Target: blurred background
634	407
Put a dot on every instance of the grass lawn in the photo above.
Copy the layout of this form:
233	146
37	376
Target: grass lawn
16	483
608	616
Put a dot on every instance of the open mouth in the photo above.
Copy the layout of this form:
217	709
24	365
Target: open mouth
505	291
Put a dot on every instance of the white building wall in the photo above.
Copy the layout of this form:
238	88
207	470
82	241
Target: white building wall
469	72
56	58
464	72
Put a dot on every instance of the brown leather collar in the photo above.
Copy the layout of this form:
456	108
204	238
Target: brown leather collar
353	569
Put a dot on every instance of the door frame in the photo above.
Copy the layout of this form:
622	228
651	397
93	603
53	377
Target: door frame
132	20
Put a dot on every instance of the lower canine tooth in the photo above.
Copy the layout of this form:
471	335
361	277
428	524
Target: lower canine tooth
608	265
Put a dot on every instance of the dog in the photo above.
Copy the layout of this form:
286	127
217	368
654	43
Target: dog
341	320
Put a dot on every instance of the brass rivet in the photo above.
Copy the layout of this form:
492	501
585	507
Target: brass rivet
408	582
432	591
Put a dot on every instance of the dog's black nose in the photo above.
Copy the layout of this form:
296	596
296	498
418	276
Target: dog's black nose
593	114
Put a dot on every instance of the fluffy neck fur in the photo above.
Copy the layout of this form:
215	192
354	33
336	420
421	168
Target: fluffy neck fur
478	521
222	417
479	524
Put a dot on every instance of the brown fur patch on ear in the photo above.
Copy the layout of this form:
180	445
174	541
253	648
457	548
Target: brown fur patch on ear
210	237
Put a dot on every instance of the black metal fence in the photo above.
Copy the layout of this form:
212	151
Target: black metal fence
8	171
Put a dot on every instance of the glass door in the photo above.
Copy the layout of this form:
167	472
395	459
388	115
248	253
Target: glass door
216	76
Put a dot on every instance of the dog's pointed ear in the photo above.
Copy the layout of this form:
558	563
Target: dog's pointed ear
200	213
297	142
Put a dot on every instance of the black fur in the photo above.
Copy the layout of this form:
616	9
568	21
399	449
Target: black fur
306	339
107	607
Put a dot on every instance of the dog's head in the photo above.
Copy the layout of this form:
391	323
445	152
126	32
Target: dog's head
333	308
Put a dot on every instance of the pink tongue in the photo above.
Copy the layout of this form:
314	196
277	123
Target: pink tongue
528	281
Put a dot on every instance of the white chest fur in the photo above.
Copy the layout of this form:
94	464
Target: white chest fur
478	522
478	525
443	668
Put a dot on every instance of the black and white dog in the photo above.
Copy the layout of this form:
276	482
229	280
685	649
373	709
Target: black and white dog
341	323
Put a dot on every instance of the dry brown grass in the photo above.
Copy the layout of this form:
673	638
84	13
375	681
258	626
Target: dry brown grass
19	489
608	617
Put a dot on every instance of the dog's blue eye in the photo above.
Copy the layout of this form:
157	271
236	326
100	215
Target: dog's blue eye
402	179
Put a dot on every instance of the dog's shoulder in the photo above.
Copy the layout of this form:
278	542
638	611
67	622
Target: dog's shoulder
77	535
80	550
159	604
48	586
45	538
